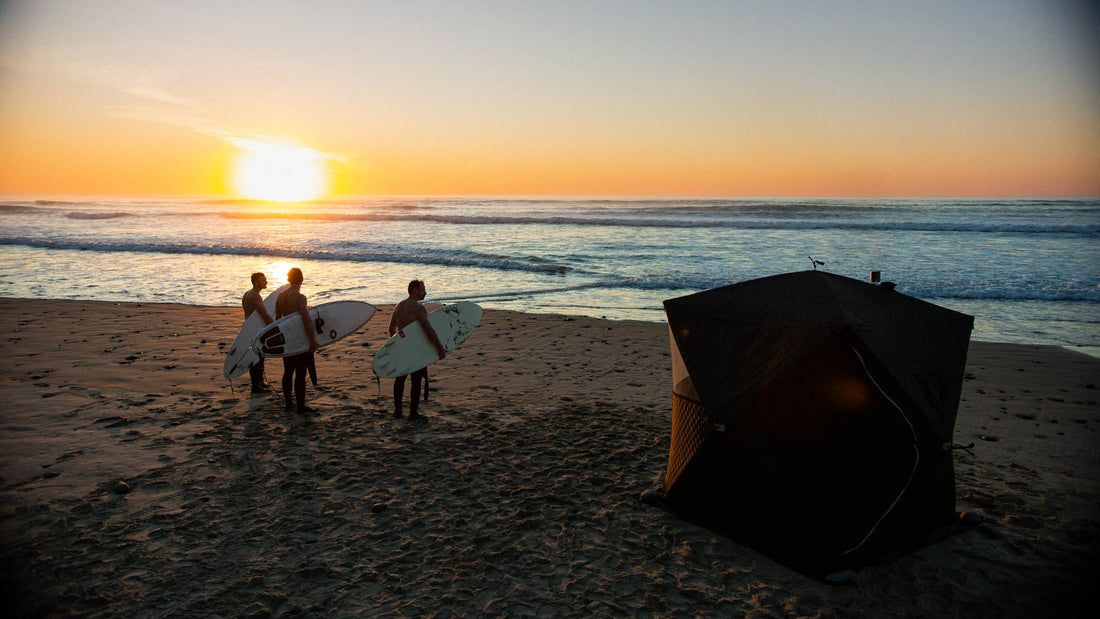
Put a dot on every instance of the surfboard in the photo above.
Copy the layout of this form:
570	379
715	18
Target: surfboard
241	356
331	321
410	350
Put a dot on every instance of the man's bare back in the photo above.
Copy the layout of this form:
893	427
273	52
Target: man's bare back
293	301
410	310
288	302
405	313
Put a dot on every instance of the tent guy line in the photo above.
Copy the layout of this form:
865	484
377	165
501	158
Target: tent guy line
916	455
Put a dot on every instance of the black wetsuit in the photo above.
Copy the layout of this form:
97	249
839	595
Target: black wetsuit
295	368
414	398
256	370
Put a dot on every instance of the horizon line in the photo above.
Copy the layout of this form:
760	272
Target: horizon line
699	196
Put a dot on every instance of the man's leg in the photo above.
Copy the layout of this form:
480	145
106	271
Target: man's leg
414	404
398	393
301	365
256	374
288	380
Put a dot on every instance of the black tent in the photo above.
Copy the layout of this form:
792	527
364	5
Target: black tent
813	417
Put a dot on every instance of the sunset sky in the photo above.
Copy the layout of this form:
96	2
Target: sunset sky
684	97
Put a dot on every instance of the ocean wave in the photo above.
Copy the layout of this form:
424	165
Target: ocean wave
636	219
684	223
652	283
680	286
51	207
44	205
962	292
16	207
428	257
1074	295
303	209
86	215
736	205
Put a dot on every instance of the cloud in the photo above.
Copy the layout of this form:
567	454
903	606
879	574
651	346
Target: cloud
239	139
128	79
164	116
261	143
153	103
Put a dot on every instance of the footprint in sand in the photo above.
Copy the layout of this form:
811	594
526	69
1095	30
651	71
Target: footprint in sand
69	455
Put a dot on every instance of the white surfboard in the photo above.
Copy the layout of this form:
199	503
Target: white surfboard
240	356
331	321
410	350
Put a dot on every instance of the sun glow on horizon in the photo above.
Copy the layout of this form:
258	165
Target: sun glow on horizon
277	273
277	172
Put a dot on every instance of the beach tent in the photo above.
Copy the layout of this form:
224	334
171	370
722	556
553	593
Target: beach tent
813	417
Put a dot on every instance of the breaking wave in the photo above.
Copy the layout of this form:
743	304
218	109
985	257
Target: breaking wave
83	215
440	258
683	223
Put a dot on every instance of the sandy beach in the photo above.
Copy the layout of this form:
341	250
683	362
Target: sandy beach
519	498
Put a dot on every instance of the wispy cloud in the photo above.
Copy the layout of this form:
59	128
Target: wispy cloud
129	79
243	140
153	103
165	116
256	142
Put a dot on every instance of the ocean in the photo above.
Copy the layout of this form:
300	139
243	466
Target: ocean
1028	270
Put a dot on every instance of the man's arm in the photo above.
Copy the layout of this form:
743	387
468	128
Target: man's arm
422	318
256	304
393	319
303	311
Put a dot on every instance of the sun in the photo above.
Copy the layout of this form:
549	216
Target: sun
278	172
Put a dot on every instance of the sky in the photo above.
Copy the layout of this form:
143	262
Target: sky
563	97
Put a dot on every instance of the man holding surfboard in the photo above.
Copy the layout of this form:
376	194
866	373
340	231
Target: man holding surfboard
253	302
296	366
404	314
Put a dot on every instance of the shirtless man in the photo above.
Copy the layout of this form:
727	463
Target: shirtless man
253	302
404	314
295	366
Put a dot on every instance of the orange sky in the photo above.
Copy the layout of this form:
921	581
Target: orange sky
615	98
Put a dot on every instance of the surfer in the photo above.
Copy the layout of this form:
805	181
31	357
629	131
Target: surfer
296	366
404	314
253	302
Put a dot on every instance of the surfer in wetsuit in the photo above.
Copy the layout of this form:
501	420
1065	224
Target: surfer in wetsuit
296	366
253	302
404	314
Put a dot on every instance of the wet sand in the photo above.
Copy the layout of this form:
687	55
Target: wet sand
518	498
